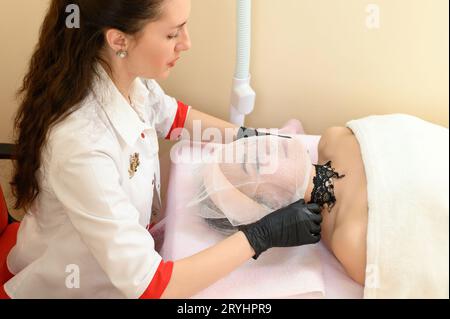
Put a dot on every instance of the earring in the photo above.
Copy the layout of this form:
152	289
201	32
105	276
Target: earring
122	54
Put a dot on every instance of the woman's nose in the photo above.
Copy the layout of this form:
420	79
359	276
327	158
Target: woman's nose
185	44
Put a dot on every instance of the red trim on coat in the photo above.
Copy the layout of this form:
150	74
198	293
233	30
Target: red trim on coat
3	294
179	122
159	282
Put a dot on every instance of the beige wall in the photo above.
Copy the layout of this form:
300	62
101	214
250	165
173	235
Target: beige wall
19	27
314	60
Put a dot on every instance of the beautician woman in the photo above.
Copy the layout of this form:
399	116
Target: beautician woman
87	161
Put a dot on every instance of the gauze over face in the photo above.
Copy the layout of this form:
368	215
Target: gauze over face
252	177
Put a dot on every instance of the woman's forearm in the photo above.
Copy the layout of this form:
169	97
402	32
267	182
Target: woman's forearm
193	274
197	122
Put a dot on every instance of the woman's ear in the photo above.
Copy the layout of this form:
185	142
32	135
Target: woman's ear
116	40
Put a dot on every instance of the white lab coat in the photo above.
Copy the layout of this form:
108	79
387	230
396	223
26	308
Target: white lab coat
86	235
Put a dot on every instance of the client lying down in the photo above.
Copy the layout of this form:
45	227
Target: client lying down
380	183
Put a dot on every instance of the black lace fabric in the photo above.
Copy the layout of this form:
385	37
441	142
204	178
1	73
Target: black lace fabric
323	191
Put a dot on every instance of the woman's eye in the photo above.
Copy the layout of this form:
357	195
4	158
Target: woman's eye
173	36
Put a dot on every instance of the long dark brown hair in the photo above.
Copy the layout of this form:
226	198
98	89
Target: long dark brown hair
60	75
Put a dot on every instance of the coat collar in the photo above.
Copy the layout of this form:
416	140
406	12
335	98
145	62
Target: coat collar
129	121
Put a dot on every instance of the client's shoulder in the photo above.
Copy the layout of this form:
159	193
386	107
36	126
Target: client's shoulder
331	139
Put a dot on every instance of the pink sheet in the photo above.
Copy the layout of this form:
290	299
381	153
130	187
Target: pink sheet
300	272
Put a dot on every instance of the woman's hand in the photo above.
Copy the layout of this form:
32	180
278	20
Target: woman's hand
245	132
295	225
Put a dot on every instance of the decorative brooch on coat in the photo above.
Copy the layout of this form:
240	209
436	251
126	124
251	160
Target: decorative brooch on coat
134	164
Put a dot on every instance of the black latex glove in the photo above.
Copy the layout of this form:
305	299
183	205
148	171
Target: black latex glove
295	225
244	132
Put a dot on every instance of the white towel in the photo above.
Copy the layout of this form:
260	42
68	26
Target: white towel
406	161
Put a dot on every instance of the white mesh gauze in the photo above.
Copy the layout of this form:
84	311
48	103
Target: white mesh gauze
250	178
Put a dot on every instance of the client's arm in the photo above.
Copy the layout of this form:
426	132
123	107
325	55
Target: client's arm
350	251
345	226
